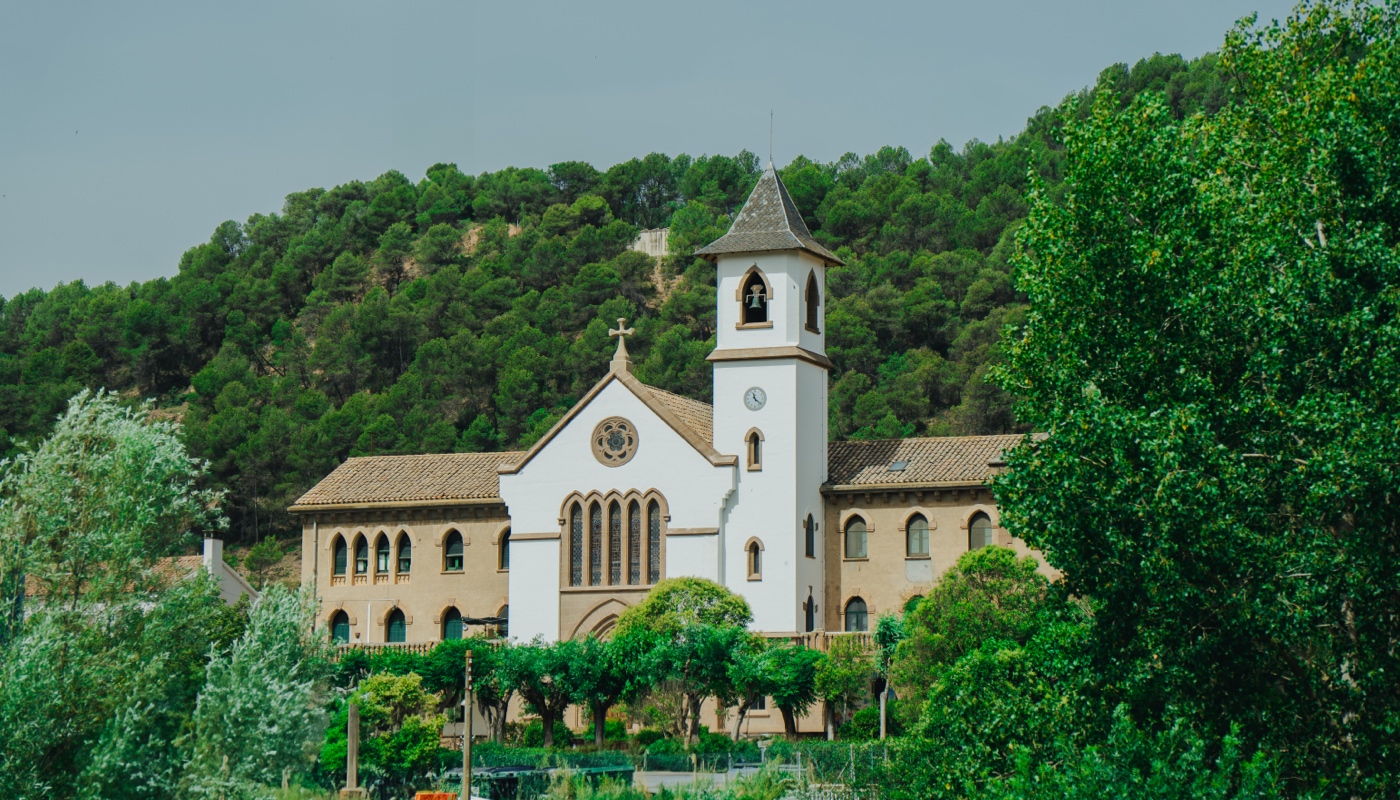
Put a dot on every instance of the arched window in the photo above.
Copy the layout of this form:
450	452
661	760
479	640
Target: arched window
503	555
395	628
634	543
340	625
614	543
809	536
361	555
916	537
754	442
814	299
595	545
856	539
341	554
980	532
452	552
856	617
809	608
451	624
405	554
753	301
381	555
653	542
503	629
755	561
576	545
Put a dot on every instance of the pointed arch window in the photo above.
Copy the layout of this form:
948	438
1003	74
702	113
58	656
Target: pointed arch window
809	610
813	303
634	543
614	543
916	537
504	554
856	539
576	545
361	555
340	627
653	542
809	536
980	532
452	552
381	555
857	617
340	557
754	446
396	627
754	297
451	624
595	545
405	554
754	557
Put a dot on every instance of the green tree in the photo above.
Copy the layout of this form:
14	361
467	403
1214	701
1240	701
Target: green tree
677	603
399	732
542	675
606	671
1212	347
843	679
795	683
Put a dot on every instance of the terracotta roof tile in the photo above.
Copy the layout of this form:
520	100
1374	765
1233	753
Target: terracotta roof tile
425	478
941	459
699	416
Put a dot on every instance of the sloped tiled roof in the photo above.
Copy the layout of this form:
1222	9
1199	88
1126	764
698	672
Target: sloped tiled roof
934	460
769	220
697	415
400	479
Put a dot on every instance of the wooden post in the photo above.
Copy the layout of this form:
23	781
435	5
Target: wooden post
352	755
883	693
467	732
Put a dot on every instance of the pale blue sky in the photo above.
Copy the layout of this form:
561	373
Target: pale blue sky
129	130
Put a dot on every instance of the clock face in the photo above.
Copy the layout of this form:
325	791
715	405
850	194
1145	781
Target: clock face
754	398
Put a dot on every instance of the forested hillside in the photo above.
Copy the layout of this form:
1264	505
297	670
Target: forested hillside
467	313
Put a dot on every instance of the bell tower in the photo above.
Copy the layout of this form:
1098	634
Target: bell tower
770	405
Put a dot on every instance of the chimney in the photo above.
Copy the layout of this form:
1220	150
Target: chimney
213	555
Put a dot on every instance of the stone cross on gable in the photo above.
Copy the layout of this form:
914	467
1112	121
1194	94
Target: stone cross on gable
621	361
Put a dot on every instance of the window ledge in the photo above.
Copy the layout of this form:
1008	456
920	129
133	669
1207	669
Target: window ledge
745	326
453	572
755	468
861	558
755	577
918	558
810	329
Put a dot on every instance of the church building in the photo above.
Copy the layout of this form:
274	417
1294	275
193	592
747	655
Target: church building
635	485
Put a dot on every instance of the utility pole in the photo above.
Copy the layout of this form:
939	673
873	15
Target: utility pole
467	732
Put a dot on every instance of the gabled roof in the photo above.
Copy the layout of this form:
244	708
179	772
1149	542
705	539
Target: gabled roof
449	478
692	419
768	221
903	463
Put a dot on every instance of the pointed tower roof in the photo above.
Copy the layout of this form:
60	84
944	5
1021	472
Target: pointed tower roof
769	220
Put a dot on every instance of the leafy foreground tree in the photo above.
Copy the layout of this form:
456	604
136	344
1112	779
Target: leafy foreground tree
608	671
677	603
399	730
1213	347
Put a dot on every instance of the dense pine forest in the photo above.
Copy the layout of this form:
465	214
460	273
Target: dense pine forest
467	313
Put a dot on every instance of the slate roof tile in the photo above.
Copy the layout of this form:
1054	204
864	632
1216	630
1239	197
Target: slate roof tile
769	220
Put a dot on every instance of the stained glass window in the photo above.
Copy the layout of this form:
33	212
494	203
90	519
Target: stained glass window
576	546
653	542
634	543
595	545
614	544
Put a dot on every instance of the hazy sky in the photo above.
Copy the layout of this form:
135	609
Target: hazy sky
128	131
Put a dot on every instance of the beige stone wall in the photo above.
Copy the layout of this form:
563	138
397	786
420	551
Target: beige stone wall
427	590
888	577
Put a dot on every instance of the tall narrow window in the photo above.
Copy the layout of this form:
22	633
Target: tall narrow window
503	629
809	536
916	537
813	301
576	546
755	448
396	628
856	538
405	554
980	532
755	561
753	304
653	542
504	554
452	552
361	556
634	543
451	624
614	544
856	617
340	627
381	554
341	554
809	609
595	545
